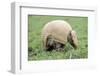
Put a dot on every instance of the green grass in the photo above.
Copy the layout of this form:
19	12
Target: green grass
35	49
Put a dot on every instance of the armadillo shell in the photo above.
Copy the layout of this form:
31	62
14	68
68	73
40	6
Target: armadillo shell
58	29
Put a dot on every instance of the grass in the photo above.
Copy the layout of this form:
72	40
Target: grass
35	50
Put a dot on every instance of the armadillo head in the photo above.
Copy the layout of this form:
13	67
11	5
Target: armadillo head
72	38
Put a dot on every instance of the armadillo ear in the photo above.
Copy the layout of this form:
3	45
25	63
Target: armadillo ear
73	39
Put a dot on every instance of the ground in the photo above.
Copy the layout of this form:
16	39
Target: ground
35	49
